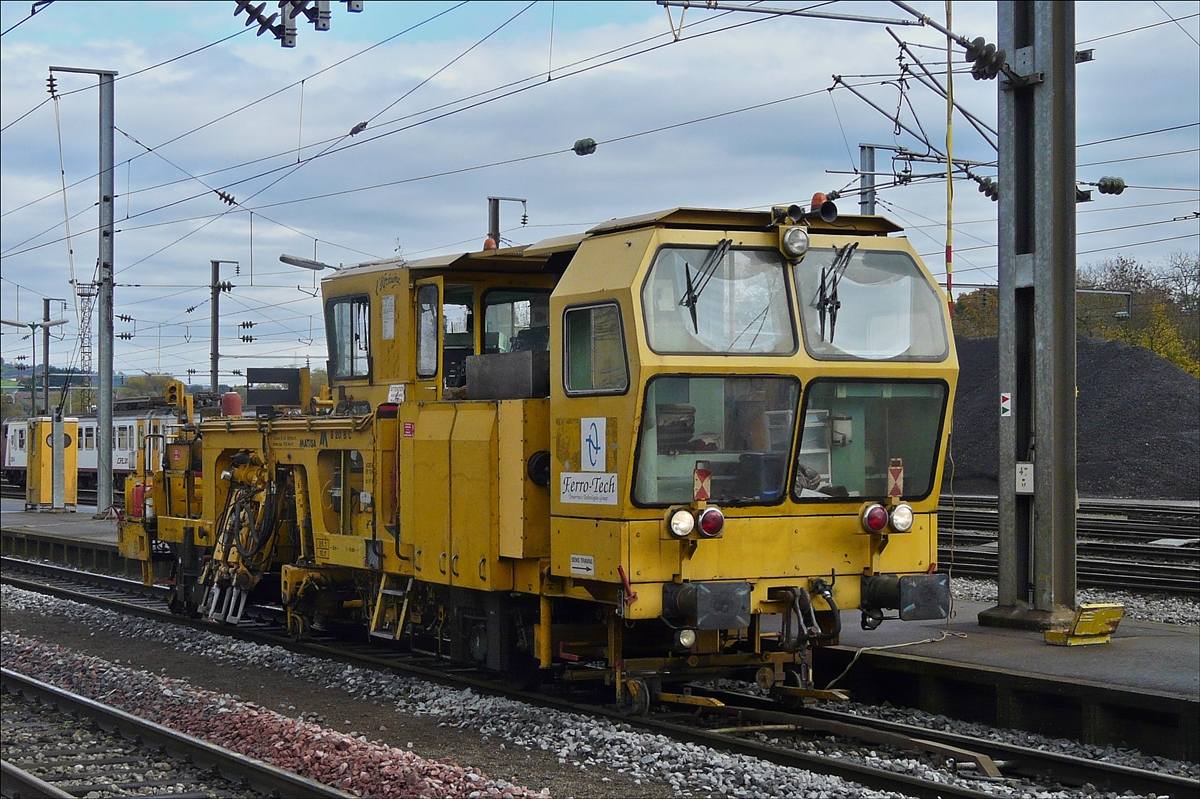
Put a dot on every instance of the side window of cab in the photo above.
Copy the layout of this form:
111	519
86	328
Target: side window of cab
595	360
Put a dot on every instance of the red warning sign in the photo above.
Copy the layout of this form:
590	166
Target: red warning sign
410	429
896	478
702	482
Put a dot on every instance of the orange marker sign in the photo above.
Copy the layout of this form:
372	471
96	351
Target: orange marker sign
896	478
702	482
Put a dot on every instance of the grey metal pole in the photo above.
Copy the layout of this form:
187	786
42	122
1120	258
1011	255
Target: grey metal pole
494	219
104	432
214	358
866	164
45	356
1037	477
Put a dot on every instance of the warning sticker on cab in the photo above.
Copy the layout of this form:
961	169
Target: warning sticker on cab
583	565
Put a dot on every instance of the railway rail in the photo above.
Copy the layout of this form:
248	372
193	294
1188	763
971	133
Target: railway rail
127	757
1120	544
722	720
84	496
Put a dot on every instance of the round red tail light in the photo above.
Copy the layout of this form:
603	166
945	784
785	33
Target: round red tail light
712	521
874	518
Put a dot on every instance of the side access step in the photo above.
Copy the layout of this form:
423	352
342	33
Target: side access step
391	607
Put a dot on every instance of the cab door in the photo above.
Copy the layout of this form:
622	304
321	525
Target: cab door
429	333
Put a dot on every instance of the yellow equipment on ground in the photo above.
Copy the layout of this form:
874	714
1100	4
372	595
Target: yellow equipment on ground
52	480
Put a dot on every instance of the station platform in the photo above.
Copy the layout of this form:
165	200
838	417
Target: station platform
1146	656
75	526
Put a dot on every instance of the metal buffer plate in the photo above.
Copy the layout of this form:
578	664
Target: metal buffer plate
1092	624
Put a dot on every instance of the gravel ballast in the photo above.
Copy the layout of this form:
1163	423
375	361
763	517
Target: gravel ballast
613	759
354	764
1162	608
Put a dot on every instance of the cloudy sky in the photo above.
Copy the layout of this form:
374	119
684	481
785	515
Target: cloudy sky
466	100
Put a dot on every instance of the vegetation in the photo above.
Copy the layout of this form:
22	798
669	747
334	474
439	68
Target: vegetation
1165	307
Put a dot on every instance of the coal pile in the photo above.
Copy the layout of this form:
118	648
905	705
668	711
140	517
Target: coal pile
1138	418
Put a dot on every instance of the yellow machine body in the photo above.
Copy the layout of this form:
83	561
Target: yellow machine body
512	432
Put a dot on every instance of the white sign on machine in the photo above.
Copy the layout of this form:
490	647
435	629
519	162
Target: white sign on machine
593	485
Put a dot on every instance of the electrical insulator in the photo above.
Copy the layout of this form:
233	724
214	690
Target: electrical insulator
225	286
52	85
246	325
125	336
247	339
1110	185
988	187
124	317
585	146
225	196
988	60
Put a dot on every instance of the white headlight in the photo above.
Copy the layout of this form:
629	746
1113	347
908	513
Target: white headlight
902	518
685	638
682	523
794	242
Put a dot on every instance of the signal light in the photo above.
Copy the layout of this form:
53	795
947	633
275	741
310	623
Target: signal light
1110	185
174	393
874	518
901	518
681	523
712	522
988	60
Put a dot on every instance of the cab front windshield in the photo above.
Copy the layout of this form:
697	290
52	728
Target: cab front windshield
701	300
740	428
868	304
868	439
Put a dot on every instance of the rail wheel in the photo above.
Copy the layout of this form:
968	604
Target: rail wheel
637	696
298	627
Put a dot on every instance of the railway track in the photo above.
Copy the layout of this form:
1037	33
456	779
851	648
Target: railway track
1119	545
60	744
723	723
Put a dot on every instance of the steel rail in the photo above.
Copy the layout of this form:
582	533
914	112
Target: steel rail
1090	572
16	783
259	776
1012	760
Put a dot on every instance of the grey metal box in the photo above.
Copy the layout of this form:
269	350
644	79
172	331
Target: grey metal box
509	375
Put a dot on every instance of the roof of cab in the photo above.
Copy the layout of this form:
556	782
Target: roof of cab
524	258
552	255
716	219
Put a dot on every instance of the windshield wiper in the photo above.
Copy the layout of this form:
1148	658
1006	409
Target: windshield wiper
696	287
826	301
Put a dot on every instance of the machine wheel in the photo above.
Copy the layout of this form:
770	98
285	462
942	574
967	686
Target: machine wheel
637	696
298	627
765	677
